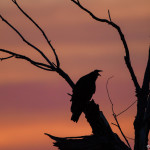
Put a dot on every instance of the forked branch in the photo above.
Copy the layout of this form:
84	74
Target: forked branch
45	36
37	64
51	65
127	57
27	42
6	58
114	114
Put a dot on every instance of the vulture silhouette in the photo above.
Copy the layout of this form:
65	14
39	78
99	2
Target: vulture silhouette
82	93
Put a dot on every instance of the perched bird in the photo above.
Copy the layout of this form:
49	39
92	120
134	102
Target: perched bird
82	93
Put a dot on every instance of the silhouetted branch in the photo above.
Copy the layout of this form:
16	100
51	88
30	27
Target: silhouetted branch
126	136
127	57
52	66
112	106
115	117
126	108
114	114
24	40
98	120
109	15
37	64
45	36
146	82
6	58
141	127
114	124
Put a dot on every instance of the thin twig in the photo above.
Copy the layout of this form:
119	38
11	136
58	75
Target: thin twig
126	108
114	124
109	15
44	34
114	114
37	64
126	136
53	67
121	131
27	42
6	57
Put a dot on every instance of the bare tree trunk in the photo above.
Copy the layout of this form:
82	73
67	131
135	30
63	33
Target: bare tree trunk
141	123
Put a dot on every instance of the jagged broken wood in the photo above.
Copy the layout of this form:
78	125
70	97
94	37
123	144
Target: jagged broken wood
102	138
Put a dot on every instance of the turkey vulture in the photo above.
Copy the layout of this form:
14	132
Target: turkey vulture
82	93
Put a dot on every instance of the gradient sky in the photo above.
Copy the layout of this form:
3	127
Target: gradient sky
34	101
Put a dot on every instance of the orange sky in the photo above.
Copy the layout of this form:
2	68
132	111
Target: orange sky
35	101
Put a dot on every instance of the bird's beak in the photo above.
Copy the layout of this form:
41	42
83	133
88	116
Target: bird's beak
99	71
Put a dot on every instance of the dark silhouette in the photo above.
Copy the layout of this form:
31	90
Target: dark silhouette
102	136
82	93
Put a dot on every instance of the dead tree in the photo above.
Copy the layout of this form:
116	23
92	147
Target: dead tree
141	123
103	137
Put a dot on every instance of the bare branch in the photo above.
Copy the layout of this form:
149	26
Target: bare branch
114	124
115	117
6	58
126	136
127	57
109	15
128	63
112	106
45	36
37	64
114	114
126	108
27	41
65	76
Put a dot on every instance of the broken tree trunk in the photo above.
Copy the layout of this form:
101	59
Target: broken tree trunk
103	138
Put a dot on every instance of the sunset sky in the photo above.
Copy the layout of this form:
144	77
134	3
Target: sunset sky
34	101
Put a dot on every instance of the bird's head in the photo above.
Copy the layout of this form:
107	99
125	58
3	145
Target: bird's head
96	72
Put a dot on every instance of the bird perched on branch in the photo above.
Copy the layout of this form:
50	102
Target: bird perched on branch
82	93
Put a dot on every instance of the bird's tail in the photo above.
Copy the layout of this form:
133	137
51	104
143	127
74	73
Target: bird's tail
75	116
